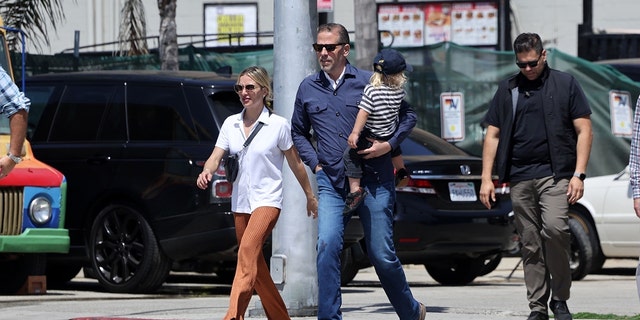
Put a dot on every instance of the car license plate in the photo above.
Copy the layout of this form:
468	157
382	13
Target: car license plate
462	191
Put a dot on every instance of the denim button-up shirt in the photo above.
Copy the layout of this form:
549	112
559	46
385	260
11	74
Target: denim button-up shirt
323	118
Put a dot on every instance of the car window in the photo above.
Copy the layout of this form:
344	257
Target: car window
40	97
158	113
114	126
420	143
80	113
220	105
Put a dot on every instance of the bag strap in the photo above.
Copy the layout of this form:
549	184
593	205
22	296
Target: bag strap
253	134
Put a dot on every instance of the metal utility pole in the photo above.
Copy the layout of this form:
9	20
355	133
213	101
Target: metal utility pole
293	263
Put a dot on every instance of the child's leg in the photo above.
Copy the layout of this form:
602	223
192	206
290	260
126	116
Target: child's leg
354	184
353	168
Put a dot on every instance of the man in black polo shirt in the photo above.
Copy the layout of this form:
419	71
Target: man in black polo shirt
539	139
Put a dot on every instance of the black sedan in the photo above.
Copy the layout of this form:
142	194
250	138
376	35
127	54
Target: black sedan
439	219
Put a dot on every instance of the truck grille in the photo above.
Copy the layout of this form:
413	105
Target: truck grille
11	211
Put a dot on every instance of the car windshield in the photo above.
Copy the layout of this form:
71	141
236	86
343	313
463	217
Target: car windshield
421	143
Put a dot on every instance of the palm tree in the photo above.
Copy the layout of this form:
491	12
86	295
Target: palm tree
133	29
33	18
168	42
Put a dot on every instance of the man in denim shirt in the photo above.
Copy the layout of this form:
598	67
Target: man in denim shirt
327	104
15	106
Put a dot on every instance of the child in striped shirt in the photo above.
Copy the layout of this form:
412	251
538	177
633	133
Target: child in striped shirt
377	120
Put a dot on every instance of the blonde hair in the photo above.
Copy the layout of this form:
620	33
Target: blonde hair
261	77
394	81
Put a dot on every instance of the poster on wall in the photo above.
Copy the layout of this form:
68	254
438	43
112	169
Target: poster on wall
621	114
225	24
419	24
452	116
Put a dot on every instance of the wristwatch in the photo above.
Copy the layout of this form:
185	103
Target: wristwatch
580	176
15	159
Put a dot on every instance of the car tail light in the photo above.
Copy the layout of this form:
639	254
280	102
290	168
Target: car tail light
501	188
408	240
220	188
418	186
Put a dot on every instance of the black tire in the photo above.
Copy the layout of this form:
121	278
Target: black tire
59	273
348	266
581	253
124	252
16	268
578	213
489	264
456	272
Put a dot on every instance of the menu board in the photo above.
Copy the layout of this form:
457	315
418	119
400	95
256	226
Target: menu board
474	23
401	24
419	24
437	25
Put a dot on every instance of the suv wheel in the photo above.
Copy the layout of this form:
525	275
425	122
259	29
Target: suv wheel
124	252
456	272
489	264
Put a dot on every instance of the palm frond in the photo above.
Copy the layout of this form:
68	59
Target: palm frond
34	18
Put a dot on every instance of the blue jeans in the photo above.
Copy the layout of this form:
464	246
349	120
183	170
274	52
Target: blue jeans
376	215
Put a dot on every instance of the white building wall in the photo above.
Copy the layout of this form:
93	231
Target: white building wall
556	21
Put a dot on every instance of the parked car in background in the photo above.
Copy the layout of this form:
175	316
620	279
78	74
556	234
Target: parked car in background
629	67
32	208
439	220
608	226
32	215
131	144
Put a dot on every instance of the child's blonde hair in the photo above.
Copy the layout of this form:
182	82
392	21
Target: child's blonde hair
394	81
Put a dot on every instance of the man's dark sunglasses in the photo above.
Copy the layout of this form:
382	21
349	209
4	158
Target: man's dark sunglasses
239	87
531	64
330	47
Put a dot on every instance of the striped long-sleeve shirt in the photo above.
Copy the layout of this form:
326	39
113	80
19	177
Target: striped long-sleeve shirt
382	104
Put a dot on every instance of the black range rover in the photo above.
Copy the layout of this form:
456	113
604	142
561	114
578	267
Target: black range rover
131	144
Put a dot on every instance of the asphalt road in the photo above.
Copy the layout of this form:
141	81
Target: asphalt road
496	296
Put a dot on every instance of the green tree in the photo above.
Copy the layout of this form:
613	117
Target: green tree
33	17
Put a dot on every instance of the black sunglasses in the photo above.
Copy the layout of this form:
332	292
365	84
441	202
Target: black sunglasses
330	47
238	87
531	64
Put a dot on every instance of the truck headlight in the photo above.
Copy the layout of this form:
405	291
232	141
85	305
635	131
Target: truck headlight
40	210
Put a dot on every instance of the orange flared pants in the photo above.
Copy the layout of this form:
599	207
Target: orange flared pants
252	271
